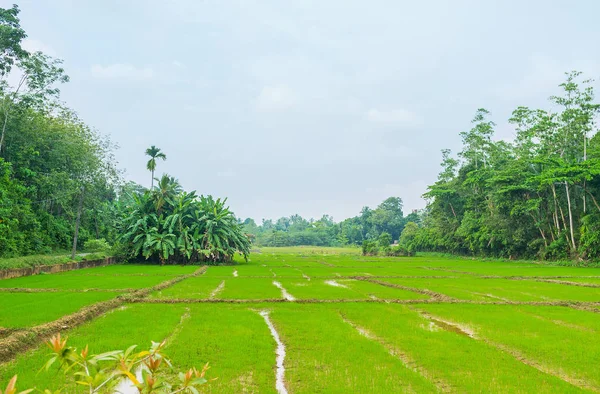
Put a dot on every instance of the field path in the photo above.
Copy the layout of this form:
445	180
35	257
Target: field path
216	291
284	292
280	352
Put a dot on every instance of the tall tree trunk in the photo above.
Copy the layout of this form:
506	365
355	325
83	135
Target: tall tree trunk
556	221
593	199
584	190
539	228
152	181
570	217
77	224
584	159
452	208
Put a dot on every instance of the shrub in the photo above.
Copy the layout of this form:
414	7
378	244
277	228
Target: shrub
370	248
96	245
401	250
385	239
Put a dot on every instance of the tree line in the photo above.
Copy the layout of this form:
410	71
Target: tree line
387	218
533	197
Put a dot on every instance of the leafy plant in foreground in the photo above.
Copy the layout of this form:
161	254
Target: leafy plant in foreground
107	372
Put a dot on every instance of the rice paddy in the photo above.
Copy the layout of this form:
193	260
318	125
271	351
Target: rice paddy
346	323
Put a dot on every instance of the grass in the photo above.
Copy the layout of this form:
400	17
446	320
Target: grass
135	269
36	260
327	355
44	259
456	361
560	340
43	307
344	289
199	287
249	289
478	289
368	345
78	282
236	342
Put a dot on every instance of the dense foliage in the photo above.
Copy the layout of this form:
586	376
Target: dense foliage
531	197
369	225
170	225
48	156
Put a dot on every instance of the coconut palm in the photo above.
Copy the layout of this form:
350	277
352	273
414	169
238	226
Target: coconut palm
154	154
167	190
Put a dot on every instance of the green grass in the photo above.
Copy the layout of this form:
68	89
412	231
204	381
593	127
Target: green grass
135	269
249	289
561	340
500	289
219	272
197	287
237	343
346	289
35	260
326	355
252	270
459	362
78	282
20	310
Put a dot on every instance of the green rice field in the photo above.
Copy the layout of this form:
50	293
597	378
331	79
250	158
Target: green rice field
349	324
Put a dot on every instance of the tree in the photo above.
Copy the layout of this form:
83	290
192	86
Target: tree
36	73
526	198
172	226
154	154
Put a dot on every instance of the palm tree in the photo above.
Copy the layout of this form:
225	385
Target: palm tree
168	188
154	154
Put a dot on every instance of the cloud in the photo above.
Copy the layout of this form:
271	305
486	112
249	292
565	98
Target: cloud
275	98
395	116
32	45
122	70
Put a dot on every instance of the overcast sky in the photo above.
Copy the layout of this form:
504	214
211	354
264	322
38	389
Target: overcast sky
302	106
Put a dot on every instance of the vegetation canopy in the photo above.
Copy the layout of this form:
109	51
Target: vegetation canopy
173	226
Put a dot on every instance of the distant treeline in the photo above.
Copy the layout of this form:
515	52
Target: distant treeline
387	218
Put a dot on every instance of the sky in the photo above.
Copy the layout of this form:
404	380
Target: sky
301	106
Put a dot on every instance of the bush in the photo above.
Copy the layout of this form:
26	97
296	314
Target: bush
385	239
96	245
400	250
370	248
